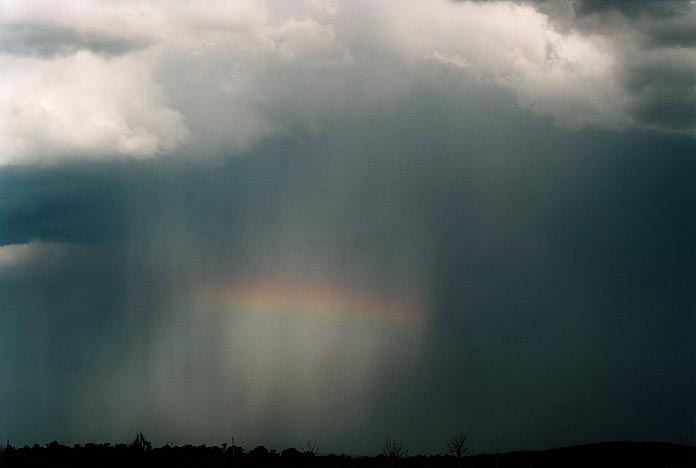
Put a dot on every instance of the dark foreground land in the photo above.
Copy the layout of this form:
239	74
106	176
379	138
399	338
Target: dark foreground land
608	454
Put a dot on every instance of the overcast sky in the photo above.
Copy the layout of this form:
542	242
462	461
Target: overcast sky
347	222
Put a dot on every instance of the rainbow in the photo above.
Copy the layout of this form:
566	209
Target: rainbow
325	299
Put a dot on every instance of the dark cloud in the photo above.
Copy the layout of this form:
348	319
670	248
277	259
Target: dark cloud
68	204
680	32
655	50
628	8
664	91
657	23
46	40
633	8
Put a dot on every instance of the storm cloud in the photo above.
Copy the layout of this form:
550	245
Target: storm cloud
654	54
347	222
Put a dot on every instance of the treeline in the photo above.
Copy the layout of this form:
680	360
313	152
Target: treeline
141	453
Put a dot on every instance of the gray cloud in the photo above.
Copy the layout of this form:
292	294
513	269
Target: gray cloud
680	32
656	23
48	40
663	87
633	8
655	49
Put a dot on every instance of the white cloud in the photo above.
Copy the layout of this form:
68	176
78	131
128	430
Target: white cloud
222	75
567	76
83	104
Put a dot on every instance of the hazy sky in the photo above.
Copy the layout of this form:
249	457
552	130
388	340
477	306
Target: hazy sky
347	222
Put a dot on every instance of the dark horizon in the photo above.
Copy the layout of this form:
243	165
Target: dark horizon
314	448
141	453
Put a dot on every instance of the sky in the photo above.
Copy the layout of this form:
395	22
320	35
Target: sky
348	222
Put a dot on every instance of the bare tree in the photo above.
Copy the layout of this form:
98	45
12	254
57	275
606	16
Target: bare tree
311	447
393	451
456	445
140	442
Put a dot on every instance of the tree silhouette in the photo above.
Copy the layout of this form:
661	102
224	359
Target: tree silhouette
393	450
259	452
141	443
456	445
311	447
291	453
